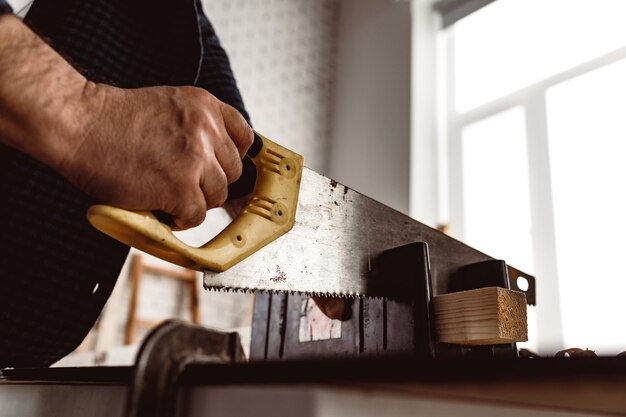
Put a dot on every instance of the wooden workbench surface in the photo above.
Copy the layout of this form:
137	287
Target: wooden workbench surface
584	384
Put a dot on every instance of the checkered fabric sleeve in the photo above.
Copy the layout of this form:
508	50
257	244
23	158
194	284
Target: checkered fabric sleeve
56	271
5	7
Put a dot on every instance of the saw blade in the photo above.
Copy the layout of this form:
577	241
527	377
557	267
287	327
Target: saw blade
337	234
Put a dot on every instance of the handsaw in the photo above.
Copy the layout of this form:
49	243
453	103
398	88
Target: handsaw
335	235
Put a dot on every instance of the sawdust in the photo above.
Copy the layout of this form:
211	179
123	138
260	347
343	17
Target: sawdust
280	275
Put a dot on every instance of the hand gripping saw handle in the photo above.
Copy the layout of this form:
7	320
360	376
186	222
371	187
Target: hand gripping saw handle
269	214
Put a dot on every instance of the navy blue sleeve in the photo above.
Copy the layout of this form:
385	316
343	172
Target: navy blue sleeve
216	75
5	8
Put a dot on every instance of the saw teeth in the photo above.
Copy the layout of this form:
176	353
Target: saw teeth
247	290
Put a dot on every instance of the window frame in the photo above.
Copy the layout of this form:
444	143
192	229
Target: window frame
532	99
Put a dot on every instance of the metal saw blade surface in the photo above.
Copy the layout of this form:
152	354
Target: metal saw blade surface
329	251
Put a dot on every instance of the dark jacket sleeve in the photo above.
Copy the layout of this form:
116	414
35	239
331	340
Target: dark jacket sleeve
215	72
5	8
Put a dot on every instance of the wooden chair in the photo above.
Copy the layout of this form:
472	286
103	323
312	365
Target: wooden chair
138	270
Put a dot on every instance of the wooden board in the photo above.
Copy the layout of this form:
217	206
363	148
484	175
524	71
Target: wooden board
483	316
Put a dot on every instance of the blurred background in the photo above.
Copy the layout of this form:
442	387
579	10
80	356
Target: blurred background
498	119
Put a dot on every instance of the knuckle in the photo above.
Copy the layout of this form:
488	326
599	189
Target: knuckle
249	136
203	95
218	198
222	196
193	149
227	108
198	151
234	170
196	120
194	91
192	215
197	216
186	181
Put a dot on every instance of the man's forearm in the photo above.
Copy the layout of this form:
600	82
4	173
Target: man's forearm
42	97
174	149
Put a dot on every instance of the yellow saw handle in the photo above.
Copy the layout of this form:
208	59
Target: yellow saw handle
270	213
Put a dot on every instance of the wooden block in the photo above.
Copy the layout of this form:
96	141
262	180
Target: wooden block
484	316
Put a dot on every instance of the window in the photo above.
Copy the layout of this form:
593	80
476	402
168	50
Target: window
512	44
534	137
496	202
587	147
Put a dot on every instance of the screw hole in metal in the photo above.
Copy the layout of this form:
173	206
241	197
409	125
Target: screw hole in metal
522	284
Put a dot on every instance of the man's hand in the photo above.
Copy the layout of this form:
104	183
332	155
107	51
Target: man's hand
334	308
174	149
162	148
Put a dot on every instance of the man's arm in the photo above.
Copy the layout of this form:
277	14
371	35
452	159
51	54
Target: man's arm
160	148
5	7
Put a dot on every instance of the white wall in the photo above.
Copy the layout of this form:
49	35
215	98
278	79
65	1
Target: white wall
425	201
371	122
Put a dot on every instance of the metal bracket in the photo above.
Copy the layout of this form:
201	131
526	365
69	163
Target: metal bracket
164	355
492	273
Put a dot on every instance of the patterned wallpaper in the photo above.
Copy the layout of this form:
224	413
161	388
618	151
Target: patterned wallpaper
282	53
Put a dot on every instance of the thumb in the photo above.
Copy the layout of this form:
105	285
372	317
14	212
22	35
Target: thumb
189	212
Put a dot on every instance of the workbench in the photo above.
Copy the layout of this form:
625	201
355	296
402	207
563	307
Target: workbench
365	387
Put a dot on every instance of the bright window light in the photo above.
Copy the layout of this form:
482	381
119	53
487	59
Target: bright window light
511	44
496	197
587	138
496	204
565	60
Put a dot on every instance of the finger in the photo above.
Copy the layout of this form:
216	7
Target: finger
189	212
246	182
227	156
214	185
238	129
235	207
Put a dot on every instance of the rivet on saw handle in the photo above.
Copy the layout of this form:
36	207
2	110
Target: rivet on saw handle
270	213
